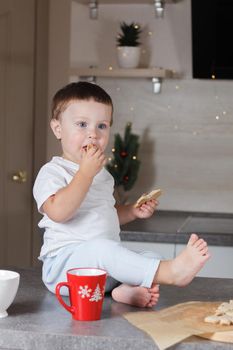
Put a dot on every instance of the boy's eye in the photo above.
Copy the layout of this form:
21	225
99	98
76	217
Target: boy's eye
102	126
82	124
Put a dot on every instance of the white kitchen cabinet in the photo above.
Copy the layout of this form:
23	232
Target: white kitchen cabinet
220	264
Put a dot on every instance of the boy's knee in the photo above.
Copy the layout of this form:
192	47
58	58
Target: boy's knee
104	250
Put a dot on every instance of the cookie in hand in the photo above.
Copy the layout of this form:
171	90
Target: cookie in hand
147	197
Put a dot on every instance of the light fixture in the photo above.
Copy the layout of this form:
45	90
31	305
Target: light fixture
90	79
159	8
156	85
93	7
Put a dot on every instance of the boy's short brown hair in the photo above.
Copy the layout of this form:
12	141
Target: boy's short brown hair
78	91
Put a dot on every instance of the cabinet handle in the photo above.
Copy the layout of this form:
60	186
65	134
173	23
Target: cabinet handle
20	176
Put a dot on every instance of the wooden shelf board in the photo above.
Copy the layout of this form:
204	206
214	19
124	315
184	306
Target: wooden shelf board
122	73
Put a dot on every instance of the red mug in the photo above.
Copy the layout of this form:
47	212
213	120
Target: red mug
86	291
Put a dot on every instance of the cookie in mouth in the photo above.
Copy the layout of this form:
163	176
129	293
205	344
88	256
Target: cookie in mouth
88	147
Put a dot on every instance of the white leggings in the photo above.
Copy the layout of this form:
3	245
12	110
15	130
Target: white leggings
122	265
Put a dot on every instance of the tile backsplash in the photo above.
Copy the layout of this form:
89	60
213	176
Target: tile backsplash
186	136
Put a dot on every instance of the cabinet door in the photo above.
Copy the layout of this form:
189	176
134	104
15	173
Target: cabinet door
165	250
16	130
219	265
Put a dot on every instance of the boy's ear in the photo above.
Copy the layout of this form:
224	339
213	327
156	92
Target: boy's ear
56	127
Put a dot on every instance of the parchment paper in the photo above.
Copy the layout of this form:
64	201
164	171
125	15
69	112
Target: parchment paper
172	325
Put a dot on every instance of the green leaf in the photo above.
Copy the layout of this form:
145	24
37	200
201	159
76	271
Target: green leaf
130	34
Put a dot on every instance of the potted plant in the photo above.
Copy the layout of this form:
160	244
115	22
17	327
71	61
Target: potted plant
128	45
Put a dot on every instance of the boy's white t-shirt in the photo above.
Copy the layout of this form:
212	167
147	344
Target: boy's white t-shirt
96	217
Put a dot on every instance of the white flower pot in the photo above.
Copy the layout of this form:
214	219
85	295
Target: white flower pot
128	56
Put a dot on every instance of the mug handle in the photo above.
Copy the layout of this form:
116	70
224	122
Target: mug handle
59	297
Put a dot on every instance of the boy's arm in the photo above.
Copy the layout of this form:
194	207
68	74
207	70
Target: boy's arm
61	206
125	213
128	213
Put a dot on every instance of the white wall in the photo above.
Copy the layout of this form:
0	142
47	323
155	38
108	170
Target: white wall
185	149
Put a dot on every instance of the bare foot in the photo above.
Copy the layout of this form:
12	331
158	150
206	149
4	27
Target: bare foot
181	270
136	295
154	290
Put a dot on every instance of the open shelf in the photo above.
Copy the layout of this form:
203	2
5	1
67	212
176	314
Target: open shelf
157	4
106	2
154	72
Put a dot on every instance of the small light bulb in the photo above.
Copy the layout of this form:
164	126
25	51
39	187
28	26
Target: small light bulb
149	33
224	112
134	157
217	117
113	150
213	76
110	68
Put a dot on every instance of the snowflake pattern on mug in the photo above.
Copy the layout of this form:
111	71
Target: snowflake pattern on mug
84	291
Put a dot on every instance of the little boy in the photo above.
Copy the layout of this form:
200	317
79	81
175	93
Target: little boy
74	193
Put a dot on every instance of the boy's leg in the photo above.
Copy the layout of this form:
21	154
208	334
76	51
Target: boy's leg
181	270
178	271
126	266
121	264
137	295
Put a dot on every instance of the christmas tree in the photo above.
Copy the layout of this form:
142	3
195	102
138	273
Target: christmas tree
124	165
97	295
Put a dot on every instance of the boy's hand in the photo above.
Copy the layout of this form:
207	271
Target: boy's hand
93	160
146	197
146	210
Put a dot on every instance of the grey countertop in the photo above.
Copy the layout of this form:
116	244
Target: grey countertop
36	320
176	226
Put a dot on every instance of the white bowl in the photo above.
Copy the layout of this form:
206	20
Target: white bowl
9	283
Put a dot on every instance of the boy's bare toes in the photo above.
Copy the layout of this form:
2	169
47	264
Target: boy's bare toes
193	238
202	246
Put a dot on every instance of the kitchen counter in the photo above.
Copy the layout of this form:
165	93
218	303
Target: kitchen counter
36	320
176	226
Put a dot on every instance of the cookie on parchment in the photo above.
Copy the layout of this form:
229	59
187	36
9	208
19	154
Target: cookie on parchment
223	314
